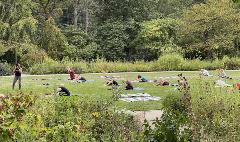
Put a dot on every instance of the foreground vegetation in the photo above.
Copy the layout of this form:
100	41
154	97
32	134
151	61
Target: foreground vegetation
94	113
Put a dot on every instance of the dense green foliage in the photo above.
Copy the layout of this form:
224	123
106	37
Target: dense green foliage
26	118
115	30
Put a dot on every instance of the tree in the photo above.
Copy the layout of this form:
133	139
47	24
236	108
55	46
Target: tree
170	8
50	36
53	40
158	34
112	40
211	30
17	24
122	10
81	45
84	9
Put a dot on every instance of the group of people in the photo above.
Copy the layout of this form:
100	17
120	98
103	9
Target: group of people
112	81
221	73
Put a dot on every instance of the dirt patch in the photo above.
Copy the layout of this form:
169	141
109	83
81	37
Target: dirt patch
149	115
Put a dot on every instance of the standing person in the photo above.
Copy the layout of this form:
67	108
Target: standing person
17	75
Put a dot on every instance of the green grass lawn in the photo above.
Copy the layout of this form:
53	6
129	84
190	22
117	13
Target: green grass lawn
97	89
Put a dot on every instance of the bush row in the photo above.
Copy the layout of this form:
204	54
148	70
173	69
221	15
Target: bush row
5	69
169	62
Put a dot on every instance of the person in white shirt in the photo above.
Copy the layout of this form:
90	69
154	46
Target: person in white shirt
204	72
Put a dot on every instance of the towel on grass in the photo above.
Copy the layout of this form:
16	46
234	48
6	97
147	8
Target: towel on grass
138	97
83	81
221	83
138	89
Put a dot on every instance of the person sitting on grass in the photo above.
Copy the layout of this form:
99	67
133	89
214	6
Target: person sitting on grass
74	76
71	73
204	72
238	86
163	83
17	75
129	85
222	74
141	78
62	91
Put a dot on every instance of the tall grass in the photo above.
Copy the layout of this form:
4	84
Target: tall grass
168	62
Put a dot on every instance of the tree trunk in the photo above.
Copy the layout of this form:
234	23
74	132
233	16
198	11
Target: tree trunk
86	21
16	59
75	17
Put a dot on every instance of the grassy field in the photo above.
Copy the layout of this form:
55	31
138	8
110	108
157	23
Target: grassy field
97	88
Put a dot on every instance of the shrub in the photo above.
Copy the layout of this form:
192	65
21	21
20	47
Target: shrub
173	126
169	62
30	54
75	119
231	63
49	66
12	110
5	69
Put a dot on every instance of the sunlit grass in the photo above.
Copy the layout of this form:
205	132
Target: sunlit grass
97	88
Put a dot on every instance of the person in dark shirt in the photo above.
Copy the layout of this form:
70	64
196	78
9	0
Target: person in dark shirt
17	75
63	91
129	85
111	82
81	79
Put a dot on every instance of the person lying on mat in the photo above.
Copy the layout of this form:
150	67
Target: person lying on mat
111	82
81	79
204	72
141	78
163	83
62	91
129	85
221	83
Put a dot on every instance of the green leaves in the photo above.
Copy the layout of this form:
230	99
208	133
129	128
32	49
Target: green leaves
16	21
158	34
52	40
213	27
